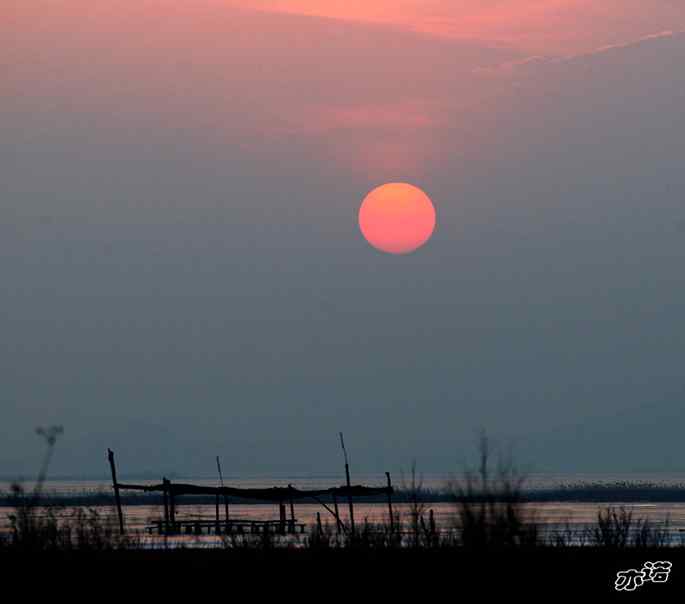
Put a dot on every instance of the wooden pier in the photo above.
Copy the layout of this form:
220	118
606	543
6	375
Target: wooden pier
203	526
226	526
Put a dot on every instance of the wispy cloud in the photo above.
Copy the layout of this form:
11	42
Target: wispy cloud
649	37
514	67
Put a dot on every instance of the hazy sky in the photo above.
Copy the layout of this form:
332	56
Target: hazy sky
182	273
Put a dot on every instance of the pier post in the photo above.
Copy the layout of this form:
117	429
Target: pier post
172	506
338	522
165	496
221	481
115	486
349	485
292	512
281	516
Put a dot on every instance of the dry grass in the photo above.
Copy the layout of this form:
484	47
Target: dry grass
489	515
490	512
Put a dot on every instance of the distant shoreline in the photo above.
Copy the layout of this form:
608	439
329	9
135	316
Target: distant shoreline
581	493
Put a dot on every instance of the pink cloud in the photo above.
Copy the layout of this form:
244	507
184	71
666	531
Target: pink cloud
374	138
540	26
403	114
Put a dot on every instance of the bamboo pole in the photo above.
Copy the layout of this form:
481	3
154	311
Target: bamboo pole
338	522
172	506
292	512
221	480
165	494
281	517
115	486
347	476
329	510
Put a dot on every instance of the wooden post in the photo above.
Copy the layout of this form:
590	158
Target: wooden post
115	486
218	526
319	528
281	514
221	481
338	522
392	520
349	485
172	506
292	512
165	495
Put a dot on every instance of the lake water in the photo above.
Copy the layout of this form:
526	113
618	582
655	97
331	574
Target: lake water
552	516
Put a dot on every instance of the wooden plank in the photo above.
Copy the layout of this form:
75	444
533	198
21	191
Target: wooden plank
268	494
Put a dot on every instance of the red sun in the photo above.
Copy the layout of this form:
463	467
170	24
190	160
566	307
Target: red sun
397	218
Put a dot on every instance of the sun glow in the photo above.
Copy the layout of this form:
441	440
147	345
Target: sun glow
397	218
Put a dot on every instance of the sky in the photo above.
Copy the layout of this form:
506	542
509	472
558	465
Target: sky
183	275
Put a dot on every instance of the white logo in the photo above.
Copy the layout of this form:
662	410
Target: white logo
631	579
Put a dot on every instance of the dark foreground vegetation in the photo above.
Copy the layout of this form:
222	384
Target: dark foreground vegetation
495	546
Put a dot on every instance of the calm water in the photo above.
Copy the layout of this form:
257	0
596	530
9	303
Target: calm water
552	515
429	481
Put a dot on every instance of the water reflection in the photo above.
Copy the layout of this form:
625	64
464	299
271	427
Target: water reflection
553	517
